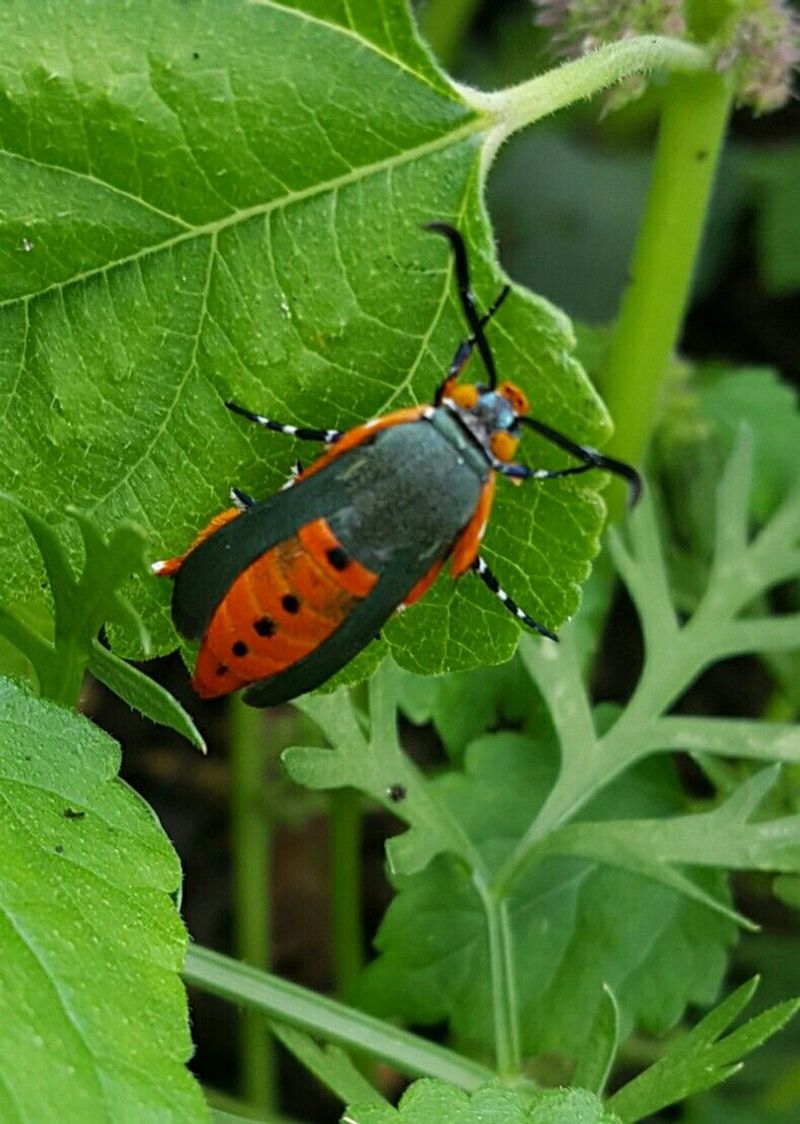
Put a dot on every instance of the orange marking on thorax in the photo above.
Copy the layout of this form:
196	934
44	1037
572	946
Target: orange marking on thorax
465	395
283	606
503	445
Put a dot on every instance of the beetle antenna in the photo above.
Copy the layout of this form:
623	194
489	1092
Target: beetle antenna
473	317
590	457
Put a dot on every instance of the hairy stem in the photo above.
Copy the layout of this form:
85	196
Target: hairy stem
518	106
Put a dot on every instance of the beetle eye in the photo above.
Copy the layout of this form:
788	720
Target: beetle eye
515	396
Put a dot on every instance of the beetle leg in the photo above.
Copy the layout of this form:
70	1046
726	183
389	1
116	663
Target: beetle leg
465	349
241	499
467	297
519	472
585	453
327	436
523	472
491	582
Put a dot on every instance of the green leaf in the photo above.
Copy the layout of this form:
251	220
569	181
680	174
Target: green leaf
766	1090
81	605
30	621
23	648
703	417
329	1020
329	1064
743	569
93	1019
433	961
376	764
142	693
731	737
721	838
213	201
432	1102
598	1056
465	704
702	1058
569	1106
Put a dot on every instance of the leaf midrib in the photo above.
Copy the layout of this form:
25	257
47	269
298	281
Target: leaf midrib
213	228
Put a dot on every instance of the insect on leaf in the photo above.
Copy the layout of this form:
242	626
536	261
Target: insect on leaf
209	201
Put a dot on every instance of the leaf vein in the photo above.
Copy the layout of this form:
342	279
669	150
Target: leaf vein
190	366
89	178
351	33
355	175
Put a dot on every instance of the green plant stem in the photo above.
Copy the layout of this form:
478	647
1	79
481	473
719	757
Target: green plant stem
505	1011
251	838
504	984
694	115
345	850
372	766
71	659
329	1021
444	24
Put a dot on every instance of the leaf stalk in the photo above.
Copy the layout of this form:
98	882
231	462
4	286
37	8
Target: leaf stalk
518	106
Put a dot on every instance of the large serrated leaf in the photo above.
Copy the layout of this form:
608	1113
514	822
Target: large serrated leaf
93	1021
433	961
226	201
433	1102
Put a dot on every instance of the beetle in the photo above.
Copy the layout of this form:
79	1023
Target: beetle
283	592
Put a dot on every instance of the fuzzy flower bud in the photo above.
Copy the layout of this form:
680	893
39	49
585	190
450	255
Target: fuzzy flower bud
582	25
760	44
756	41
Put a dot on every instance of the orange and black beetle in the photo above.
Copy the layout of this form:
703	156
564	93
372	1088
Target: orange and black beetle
285	591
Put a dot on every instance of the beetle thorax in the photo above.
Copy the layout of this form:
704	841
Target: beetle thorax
489	416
